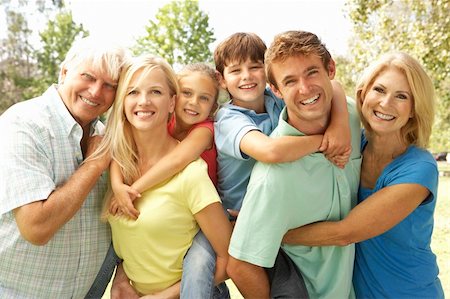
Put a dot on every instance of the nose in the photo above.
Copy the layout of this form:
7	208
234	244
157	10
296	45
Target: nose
303	87
385	100
144	99
95	88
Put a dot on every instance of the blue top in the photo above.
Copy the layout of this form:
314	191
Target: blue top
399	263
231	125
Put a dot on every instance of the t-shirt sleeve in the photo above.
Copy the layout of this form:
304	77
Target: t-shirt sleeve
198	188
261	224
25	168
230	127
417	171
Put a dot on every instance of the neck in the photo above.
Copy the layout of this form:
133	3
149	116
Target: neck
257	105
387	147
308	127
152	146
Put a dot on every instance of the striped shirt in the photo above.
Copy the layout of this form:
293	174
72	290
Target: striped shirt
40	151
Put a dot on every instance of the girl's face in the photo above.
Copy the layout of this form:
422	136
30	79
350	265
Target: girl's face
197	98
388	104
148	100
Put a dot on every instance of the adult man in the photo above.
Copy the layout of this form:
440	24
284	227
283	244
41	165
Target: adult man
284	196
52	240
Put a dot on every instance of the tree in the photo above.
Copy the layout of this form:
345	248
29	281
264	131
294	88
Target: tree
57	38
420	28
180	34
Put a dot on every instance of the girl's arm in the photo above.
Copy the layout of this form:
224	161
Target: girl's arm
278	150
188	150
337	140
217	229
124	195
372	217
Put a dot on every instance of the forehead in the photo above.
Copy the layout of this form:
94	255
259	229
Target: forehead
242	61
154	76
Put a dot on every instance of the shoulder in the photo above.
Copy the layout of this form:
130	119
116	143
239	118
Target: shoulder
271	98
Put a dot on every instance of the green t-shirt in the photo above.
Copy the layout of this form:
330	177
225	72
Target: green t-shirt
288	195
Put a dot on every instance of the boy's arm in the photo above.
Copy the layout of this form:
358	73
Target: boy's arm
337	140
188	150
278	150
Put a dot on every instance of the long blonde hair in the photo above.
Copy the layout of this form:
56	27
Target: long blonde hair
118	138
417	130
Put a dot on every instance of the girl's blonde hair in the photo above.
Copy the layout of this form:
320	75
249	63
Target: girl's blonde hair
417	130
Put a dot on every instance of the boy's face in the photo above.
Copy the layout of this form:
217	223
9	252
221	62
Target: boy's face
305	86
245	82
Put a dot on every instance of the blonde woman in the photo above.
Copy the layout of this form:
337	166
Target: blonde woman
153	246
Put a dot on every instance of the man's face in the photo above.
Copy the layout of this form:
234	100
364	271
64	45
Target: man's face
87	93
305	86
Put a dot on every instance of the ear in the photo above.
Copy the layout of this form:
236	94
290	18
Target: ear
331	69
62	75
221	80
172	103
276	91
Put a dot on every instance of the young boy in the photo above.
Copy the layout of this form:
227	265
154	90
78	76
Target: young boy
243	125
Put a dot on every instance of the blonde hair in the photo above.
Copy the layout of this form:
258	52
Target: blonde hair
105	57
294	43
207	71
417	130
118	138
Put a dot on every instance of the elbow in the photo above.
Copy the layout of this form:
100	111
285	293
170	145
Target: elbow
272	155
35	235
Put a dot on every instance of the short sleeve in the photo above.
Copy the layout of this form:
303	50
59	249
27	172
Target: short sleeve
198	188
261	224
230	127
25	167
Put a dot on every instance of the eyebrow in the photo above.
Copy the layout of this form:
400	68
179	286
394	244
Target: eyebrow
397	91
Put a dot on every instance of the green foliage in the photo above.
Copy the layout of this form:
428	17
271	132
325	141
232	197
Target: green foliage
180	34
57	38
420	28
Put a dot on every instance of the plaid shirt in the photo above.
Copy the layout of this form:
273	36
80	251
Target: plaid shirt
40	151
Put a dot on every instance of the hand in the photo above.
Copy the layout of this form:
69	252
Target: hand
121	287
340	160
124	196
103	160
234	214
336	150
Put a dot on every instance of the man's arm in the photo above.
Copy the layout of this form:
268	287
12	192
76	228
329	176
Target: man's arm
251	280
39	221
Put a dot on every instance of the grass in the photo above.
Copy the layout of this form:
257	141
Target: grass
439	244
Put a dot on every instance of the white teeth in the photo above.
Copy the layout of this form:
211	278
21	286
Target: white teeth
88	102
248	86
384	116
143	113
311	100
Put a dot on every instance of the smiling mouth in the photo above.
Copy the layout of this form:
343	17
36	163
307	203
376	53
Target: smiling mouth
84	100
383	116
310	101
144	113
247	86
191	112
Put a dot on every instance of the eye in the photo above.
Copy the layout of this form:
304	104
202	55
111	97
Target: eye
378	89
133	92
402	96
204	98
312	72
87	77
186	93
156	91
109	86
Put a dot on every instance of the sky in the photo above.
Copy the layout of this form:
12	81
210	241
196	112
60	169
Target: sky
125	20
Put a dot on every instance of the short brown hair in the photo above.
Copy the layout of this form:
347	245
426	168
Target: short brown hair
239	47
294	43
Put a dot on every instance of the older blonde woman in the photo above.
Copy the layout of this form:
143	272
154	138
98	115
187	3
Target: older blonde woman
393	222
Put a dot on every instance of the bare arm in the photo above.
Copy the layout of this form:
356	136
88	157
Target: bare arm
217	229
121	287
39	221
188	150
372	217
251	280
337	139
278	150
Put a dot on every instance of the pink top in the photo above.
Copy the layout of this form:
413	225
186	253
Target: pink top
210	155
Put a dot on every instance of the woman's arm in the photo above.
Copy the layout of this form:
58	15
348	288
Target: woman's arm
372	217
278	150
217	229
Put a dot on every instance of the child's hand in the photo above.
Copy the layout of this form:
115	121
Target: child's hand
122	202
336	146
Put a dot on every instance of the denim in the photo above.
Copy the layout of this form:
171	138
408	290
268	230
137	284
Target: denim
104	275
199	266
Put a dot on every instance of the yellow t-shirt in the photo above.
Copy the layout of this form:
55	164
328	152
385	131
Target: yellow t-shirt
153	246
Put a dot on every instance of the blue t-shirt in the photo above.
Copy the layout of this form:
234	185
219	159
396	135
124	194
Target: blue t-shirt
399	263
234	167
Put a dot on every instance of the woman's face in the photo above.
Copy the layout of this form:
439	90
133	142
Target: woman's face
148	100
388	104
